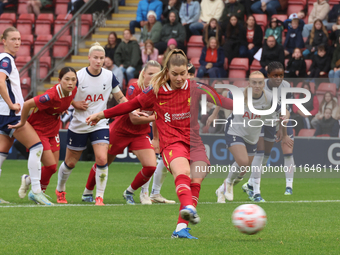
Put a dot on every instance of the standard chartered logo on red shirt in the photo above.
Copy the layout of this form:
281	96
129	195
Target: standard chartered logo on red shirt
176	116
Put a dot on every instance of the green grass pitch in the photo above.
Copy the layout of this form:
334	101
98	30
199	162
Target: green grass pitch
305	223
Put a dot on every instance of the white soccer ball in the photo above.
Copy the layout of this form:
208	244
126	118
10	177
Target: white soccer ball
249	218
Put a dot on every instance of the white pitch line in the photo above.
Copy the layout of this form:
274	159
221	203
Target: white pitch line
234	202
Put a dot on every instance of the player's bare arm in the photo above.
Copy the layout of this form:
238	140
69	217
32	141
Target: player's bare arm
5	96
138	120
155	139
80	105
24	114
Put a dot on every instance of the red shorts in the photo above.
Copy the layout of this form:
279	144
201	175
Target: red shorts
118	143
180	149
50	143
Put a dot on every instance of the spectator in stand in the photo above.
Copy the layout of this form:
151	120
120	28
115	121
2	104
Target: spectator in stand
312	106
209	9
235	37
317	37
109	65
100	5
189	13
149	52
335	34
320	63
144	6
151	30
172	44
254	35
269	6
34	6
212	60
173	29
334	73
328	102
213	29
287	24
275	29
296	67
112	43
235	8
293	38
334	13
168	6
5	3
327	125
128	56
271	52
319	12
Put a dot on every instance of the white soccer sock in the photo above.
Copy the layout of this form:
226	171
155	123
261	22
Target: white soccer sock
158	177
3	156
180	226
130	189
256	165
34	166
87	192
101	180
145	187
63	174
265	159
289	165
233	173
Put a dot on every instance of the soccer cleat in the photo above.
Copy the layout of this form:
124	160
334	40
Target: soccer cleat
229	191
289	191
248	189
23	187
39	198
87	198
61	197
129	198
220	196
189	213
257	198
144	198
158	198
183	233
4	201
237	180
99	201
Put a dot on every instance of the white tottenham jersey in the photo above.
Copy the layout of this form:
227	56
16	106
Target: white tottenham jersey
8	67
275	115
95	90
248	125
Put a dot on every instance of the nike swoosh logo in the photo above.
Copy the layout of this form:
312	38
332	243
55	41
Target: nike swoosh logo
56	108
181	190
58	145
162	103
105	137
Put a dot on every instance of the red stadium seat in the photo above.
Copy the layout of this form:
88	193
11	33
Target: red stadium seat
60	22
306	132
326	87
25	82
62	46
60	7
86	23
238	68
196	62
25	23
26	45
22	8
196	40
43	24
225	66
281	17
241	83
7	20
44	67
302	2
311	85
20	62
255	66
324	135
132	81
193	52
308	64
160	59
261	19
40	42
295	8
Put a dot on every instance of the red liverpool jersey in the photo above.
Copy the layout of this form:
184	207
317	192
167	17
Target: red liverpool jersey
45	117
123	124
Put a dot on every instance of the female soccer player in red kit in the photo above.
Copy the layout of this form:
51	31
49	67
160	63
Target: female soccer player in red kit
181	147
46	122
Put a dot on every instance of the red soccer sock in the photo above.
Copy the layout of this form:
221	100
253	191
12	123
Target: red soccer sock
91	180
143	177
46	174
184	194
195	190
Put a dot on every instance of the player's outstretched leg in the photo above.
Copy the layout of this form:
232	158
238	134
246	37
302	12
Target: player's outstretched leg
289	167
63	174
101	180
229	182
46	174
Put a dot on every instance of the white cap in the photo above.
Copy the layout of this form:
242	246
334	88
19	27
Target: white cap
151	13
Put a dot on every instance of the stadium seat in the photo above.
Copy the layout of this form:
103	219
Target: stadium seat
238	68
44	67
60	21
324	135
25	23
43	24
20	62
86	23
132	81
195	62
160	59
326	87
194	52
241	83
311	85
22	6
40	42
281	17
25	82
26	45
60	7
7	20
255	66
225	66
302	2
306	132
308	64
62	46
195	40
261	19
295	8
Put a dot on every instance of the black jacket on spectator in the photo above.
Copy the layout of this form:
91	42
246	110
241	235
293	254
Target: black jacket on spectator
294	39
336	57
319	39
296	65
212	33
272	54
334	13
329	127
166	10
128	54
258	36
175	31
233	40
110	52
322	64
232	9
334	36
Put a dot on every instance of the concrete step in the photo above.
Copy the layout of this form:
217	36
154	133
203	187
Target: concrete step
118	30
127	9
48	85
124	16
76	65
89	44
118	23
79	59
101	37
54	80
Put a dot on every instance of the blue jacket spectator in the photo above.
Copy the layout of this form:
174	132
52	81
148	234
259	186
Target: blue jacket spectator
294	38
144	6
189	13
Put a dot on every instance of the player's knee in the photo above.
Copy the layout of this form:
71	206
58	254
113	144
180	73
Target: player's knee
70	164
101	160
243	162
148	171
51	168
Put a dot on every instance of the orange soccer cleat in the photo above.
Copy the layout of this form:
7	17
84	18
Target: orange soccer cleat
61	197
99	201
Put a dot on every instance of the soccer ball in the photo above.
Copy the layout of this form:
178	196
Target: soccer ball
249	219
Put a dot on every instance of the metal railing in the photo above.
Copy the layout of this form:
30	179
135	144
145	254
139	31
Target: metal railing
75	25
